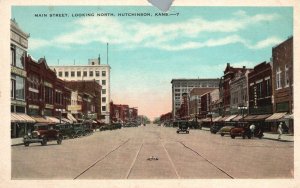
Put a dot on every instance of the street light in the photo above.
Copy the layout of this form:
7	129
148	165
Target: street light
243	108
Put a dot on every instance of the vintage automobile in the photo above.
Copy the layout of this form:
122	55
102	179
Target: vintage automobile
79	129
66	130
42	133
216	127
226	129
183	126
242	129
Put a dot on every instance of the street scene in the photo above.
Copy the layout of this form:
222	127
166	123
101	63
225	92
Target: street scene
102	92
154	152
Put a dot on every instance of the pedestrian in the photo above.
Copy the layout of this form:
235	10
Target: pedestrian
252	128
279	130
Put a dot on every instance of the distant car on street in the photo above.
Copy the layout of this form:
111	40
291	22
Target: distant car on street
216	127
183	126
43	133
226	129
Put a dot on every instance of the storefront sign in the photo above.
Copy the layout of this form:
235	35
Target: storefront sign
74	107
48	84
34	106
18	71
50	106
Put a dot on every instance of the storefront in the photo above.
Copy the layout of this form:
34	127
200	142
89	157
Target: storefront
20	124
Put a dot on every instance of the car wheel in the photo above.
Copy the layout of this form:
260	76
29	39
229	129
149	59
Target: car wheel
44	142
187	132
244	136
26	144
232	136
59	140
222	134
177	132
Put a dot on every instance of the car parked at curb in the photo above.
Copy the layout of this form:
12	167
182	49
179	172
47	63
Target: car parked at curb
42	133
67	130
216	127
242	129
226	129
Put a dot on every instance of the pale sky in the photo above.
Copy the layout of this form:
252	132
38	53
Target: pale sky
146	53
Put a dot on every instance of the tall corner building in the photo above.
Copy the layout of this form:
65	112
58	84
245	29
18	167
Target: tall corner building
93	71
181	86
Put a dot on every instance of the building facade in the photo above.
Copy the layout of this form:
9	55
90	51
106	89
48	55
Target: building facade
93	71
181	86
283	83
18	51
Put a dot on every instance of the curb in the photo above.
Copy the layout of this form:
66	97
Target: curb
275	139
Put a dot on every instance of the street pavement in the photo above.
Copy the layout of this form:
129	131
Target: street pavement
131	153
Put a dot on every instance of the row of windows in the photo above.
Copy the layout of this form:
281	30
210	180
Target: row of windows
80	74
279	77
17	57
17	87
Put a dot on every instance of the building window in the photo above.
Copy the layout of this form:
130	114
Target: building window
177	90
278	78
48	93
103	73
259	90
12	88
98	82
103	99
103	108
268	88
97	73
20	88
103	82
66	74
287	81
17	57
72	74
20	109
84	73
103	91
60	74
78	73
91	73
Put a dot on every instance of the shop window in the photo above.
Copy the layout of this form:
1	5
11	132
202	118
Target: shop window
20	88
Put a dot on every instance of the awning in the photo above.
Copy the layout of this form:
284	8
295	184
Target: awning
94	121
223	118
275	117
65	120
206	120
288	116
262	117
52	119
230	117
40	119
237	118
249	118
71	117
21	118
217	118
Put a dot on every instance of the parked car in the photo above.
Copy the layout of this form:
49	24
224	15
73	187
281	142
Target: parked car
43	133
216	127
67	130
79	129
242	130
226	129
87	128
183	126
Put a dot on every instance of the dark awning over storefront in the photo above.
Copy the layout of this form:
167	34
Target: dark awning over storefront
223	118
21	118
230	117
217	118
237	118
275	117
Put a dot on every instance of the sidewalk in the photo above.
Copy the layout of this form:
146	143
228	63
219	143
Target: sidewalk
16	141
270	136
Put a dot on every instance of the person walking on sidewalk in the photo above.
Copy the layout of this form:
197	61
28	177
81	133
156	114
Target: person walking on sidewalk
252	128
279	130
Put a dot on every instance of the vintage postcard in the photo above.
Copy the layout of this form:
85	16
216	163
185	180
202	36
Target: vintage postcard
149	94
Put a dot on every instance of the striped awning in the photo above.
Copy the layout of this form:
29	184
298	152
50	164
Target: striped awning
65	120
40	119
52	119
237	118
206	120
288	116
223	118
262	117
275	117
71	117
21	118
230	117
250	118
217	118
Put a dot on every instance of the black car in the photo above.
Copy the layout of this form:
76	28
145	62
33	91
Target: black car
183	126
216	127
67	130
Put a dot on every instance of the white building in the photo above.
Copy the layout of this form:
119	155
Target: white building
93	71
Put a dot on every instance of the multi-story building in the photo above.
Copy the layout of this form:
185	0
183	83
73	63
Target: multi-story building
283	84
215	102
195	101
47	96
90	98
229	74
18	49
93	71
181	86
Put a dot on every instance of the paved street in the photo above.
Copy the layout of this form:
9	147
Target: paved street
123	154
